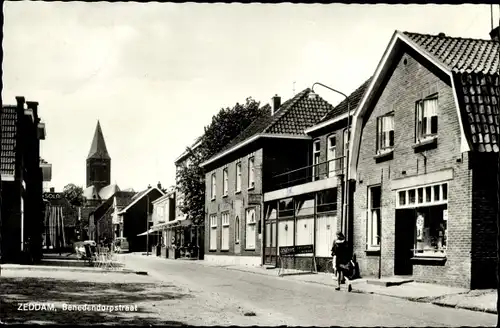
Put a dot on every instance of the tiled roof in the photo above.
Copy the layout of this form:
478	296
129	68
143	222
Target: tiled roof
354	99
293	117
7	149
475	66
123	198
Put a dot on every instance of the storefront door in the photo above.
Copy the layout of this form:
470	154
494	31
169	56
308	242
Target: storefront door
404	241
270	243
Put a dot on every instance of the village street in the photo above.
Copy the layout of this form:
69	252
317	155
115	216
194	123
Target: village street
276	300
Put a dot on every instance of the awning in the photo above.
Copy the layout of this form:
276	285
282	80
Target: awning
146	232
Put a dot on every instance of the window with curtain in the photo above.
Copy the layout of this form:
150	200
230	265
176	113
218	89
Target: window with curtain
224	182
346	146
427	118
385	132
316	157
213	232
374	218
331	155
225	231
213	189
250	229
238	177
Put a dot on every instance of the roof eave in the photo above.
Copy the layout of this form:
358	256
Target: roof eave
139	198
328	122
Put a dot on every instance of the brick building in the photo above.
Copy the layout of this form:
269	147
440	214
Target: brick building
238	176
305	207
425	151
22	210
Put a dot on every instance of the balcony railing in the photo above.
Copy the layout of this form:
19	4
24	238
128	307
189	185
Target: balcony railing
309	173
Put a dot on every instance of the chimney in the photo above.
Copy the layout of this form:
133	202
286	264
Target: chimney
276	103
495	34
20	102
33	105
159	185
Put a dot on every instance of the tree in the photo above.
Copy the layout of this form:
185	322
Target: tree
74	195
225	126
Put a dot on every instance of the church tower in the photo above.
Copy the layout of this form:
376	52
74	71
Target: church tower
98	162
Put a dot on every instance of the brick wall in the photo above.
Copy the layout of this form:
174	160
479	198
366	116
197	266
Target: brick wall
484	220
410	81
234	203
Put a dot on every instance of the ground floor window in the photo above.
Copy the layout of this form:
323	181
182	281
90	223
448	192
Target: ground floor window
250	229
213	232
373	223
225	231
431	231
237	230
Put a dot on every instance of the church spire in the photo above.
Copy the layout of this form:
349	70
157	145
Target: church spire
98	147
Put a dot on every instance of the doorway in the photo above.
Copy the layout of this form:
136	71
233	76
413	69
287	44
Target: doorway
404	241
270	252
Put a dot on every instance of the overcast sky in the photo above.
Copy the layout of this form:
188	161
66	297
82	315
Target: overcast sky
154	74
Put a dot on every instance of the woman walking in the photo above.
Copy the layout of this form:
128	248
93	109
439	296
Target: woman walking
340	253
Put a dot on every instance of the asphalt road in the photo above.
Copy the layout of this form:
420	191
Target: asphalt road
283	301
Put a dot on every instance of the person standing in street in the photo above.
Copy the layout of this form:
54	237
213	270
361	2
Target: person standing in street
340	252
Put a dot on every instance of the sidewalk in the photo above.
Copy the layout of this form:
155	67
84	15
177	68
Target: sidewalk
475	300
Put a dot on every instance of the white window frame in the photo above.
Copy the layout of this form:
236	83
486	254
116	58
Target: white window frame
423	114
213	230
237	228
225	232
238	177
250	221
345	140
225	178
213	190
331	154
440	200
251	172
316	157
373	222
384	130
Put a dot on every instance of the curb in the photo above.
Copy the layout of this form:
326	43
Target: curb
72	269
465	307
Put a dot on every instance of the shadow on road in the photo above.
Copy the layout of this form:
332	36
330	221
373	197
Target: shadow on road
14	291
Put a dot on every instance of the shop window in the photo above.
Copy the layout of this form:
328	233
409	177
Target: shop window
250	229
374	217
431	226
225	231
327	201
285	208
213	232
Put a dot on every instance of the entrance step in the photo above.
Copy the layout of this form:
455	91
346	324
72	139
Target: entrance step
269	266
389	281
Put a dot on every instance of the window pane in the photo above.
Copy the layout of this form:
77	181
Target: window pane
436	193
445	191
431	231
434	124
316	146
411	196
428	191
402	198
391	138
376	194
420	195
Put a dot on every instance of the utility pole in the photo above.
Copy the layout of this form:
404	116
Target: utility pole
147	225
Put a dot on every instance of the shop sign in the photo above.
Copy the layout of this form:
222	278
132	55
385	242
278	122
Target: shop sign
52	195
294	250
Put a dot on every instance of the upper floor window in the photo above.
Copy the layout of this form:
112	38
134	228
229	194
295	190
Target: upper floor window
238	177
331	155
213	189
224	182
251	172
346	145
426	118
385	132
316	157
